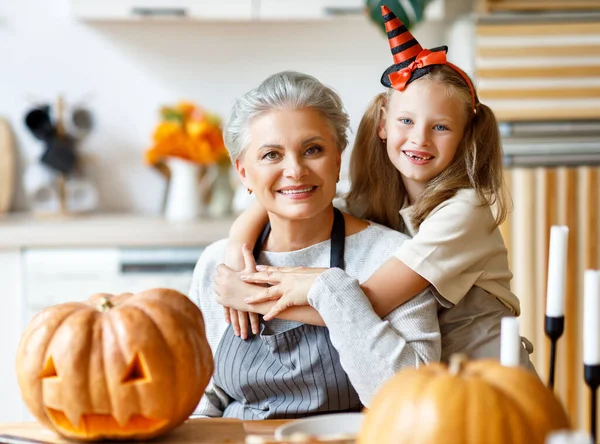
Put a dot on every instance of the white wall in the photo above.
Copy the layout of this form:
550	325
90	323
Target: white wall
125	71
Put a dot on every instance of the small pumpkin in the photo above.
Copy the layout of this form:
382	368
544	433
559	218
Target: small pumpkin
126	367
467	402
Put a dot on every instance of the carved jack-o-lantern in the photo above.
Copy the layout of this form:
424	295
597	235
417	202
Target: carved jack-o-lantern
115	367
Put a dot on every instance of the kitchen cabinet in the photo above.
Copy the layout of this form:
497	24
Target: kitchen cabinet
228	10
331	9
308	9
128	10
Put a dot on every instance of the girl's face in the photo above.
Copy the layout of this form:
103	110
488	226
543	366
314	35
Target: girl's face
291	163
423	126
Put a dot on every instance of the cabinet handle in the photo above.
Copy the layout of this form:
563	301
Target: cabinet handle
342	11
159	12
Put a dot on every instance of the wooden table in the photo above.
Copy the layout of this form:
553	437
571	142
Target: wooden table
264	428
193	431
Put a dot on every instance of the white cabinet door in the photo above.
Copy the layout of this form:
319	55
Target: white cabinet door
162	9
344	7
12	408
308	9
55	275
290	9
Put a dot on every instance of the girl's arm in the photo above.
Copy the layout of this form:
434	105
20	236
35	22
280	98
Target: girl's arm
392	285
305	314
244	230
389	287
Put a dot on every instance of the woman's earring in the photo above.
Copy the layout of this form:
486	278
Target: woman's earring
249	191
384	141
338	179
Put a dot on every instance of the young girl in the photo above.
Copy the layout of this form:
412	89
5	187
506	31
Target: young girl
427	161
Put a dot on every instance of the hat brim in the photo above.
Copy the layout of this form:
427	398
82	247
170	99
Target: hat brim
417	73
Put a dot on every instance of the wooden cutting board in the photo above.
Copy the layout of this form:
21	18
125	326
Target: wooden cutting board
7	166
196	431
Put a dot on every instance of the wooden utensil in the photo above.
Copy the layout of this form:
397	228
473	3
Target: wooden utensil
7	166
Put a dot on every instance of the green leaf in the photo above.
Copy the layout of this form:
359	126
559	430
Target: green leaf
171	114
409	18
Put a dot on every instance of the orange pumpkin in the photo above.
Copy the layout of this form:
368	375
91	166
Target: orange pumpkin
115	367
468	403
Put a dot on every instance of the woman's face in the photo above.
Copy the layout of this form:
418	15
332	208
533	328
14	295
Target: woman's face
291	163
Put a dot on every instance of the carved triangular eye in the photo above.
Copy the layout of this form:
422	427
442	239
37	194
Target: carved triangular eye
136	371
49	370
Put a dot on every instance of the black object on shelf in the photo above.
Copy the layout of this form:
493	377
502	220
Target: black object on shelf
60	154
554	328
591	375
39	123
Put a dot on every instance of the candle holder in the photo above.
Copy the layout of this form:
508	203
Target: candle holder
592	379
554	327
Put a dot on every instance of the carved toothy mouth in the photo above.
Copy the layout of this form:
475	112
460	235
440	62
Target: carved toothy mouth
101	425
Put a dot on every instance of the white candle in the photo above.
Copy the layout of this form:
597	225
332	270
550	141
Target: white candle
510	342
557	271
591	317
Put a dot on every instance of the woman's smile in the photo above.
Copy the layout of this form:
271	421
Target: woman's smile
298	192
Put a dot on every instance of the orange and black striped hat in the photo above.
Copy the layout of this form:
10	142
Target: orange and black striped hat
411	61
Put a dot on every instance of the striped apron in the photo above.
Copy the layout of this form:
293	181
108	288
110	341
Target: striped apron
289	369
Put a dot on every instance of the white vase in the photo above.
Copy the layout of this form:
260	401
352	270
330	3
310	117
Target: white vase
221	192
183	201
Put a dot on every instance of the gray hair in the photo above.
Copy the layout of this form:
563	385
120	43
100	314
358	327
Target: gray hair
284	90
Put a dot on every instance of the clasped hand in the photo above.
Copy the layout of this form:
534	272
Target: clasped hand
260	289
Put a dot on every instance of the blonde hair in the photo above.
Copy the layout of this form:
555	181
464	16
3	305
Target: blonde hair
377	192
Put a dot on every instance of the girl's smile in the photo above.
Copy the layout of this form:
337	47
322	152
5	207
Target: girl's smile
418	157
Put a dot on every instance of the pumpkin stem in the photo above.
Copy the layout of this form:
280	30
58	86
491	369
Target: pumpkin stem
457	363
104	304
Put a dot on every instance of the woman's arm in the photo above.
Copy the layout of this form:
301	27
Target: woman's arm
371	349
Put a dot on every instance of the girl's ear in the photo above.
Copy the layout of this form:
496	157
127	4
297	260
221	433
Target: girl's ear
381	131
242	173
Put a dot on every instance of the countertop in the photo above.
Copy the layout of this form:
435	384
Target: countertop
24	230
193	431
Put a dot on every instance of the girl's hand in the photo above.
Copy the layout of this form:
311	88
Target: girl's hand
290	285
231	292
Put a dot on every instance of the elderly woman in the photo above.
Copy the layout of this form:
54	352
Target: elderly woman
286	138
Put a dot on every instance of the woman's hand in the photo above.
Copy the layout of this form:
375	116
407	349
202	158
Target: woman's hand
290	285
231	292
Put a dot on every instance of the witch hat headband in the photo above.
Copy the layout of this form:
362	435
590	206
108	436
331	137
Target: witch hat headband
411	61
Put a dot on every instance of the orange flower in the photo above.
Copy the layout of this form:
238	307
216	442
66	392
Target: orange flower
193	135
